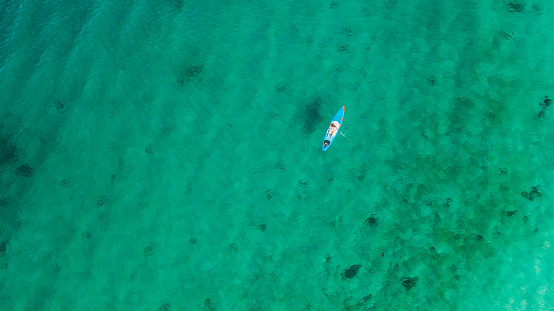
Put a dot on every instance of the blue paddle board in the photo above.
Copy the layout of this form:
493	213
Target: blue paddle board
333	129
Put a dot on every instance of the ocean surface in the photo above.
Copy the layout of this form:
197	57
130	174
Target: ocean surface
166	155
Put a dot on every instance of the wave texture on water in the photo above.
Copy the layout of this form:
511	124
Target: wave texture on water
167	155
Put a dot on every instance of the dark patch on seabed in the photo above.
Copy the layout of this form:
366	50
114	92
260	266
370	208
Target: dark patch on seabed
177	5
351	272
509	213
409	282
372	221
261	227
363	303
66	183
516	7
8	152
312	115
544	104
533	193
3	247
345	49
165	307
60	106
148	251
280	88
102	200
189	73
24	171
208	305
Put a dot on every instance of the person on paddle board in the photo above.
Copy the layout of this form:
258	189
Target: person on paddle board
333	128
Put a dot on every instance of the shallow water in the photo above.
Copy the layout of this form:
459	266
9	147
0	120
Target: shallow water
158	156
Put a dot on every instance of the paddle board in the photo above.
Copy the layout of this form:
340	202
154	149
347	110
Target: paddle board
333	129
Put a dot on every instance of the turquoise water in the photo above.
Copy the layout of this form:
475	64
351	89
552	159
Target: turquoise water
166	155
